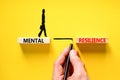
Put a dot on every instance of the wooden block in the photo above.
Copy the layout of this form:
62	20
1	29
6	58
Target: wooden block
33	40
92	40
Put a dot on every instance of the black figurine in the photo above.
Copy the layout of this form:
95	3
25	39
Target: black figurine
42	27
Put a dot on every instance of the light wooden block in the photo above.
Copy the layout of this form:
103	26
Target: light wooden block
92	40
34	40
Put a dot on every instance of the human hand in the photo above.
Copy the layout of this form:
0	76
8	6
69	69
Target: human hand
76	68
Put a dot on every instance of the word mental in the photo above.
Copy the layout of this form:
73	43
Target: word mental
92	40
45	40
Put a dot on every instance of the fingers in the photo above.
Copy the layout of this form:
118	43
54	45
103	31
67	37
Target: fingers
77	71
62	57
58	73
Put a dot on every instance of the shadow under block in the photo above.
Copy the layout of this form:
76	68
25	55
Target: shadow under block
33	40
92	45
35	48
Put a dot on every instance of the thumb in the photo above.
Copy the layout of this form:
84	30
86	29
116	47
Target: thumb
78	67
75	60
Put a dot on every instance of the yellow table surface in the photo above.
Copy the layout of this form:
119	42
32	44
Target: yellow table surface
64	18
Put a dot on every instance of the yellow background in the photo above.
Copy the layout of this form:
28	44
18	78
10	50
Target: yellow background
64	18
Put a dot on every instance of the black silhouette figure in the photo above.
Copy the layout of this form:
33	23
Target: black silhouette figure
42	27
